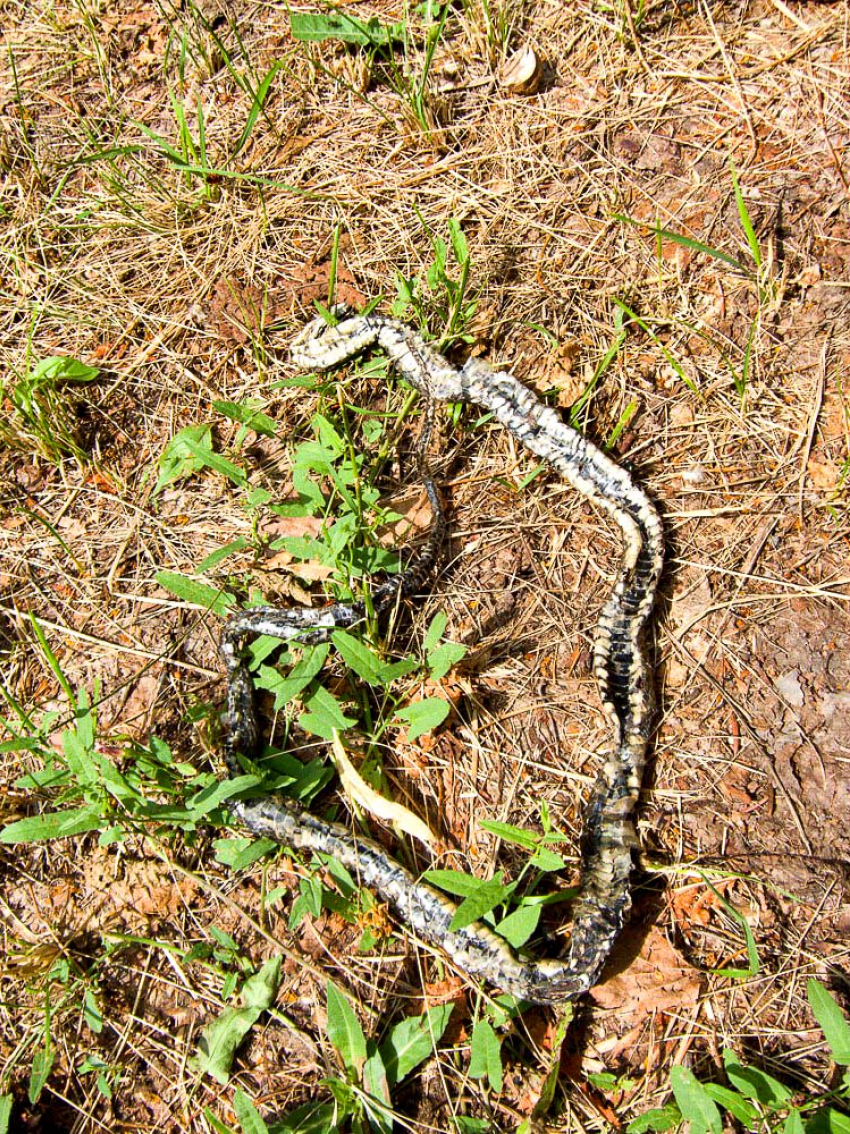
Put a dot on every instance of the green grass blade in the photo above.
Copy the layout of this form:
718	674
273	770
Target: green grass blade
744	216
257	105
685	241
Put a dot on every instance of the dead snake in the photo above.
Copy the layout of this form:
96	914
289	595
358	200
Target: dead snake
620	664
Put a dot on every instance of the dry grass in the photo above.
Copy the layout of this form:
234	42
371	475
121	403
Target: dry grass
169	283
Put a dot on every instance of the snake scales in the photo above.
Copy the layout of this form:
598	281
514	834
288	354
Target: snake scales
620	666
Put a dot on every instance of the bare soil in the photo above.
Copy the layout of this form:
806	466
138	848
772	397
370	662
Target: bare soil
184	289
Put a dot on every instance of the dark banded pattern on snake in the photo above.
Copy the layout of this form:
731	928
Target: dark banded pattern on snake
620	666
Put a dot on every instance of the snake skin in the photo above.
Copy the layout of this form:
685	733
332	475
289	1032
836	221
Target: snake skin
620	666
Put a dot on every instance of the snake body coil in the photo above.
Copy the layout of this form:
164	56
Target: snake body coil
620	666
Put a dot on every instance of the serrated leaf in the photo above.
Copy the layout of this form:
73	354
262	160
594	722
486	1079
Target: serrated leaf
424	716
481	901
697	1108
486	1055
412	1040
832	1020
344	1030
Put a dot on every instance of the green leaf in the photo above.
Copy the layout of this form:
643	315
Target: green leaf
375	1081
485	897
216	557
92	1013
518	926
239	854
5	1113
516	836
424	716
466	1124
198	594
733	1101
827	1120
659	1119
247	416
644	326
42	1064
435	632
325	714
344	1030
179	459
752	951
744	217
286	687
359	657
459	245
61	368
486	1055
441	659
546	860
752	1083
412	1040
53	825
315	26
453	882
206	456
218	792
832	1020
313	1118
696	1106
793	1124
260	96
248	1115
220	1039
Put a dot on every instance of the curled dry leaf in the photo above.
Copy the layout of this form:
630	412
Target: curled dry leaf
522	71
373	802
